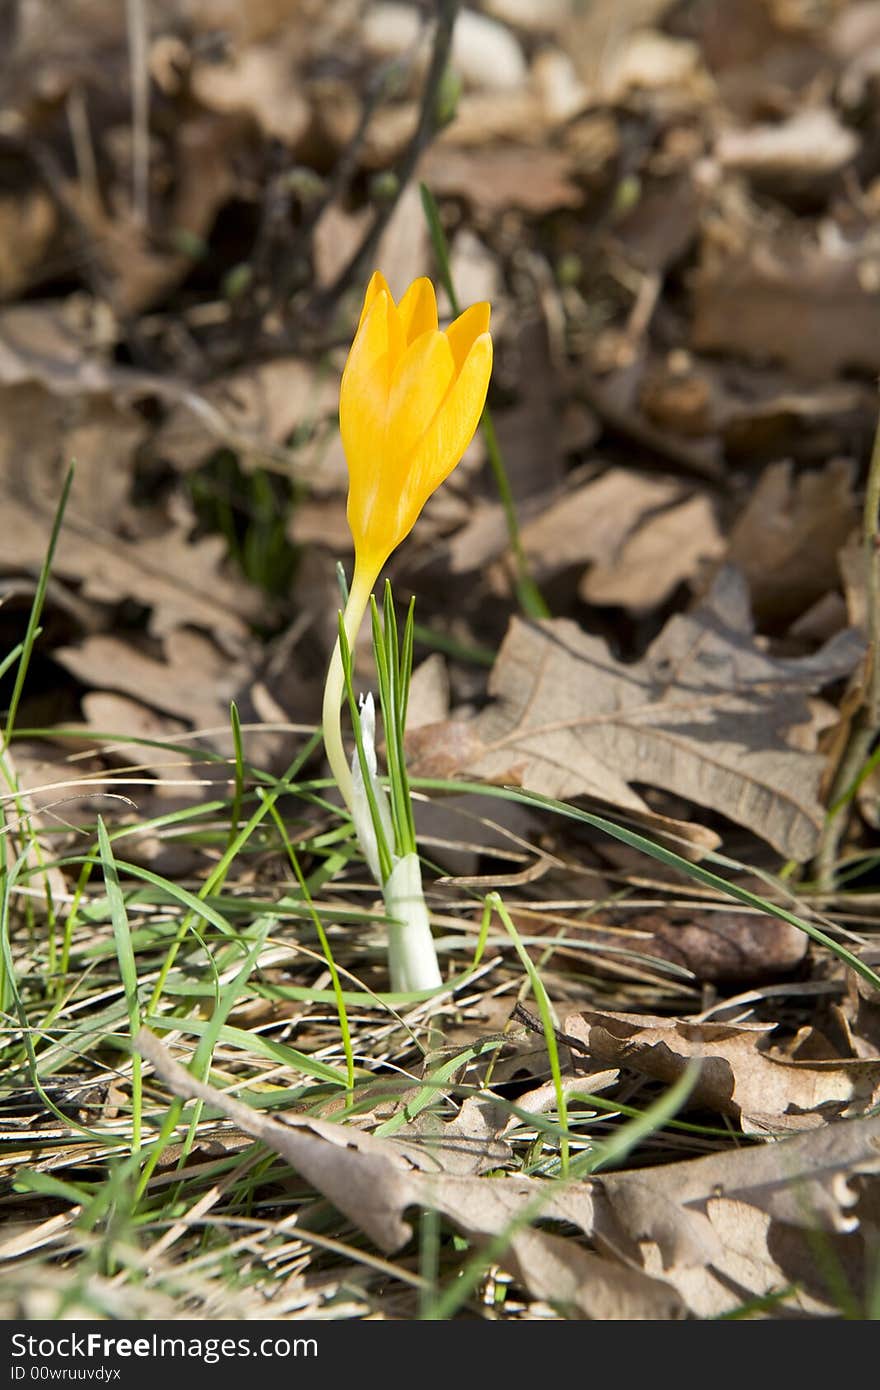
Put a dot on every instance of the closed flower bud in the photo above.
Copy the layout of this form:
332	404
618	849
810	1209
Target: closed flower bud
410	401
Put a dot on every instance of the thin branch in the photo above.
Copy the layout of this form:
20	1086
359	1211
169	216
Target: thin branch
136	17
447	12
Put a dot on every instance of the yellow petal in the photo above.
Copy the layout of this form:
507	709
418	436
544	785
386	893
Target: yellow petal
448	434
465	330
363	393
418	309
377	284
410	400
419	384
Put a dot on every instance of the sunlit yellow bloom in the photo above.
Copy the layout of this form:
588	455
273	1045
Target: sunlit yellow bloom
410	401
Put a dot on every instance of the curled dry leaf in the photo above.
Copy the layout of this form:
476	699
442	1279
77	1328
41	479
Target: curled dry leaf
705	715
493	180
738	1077
773	300
748	1222
256	80
166	683
809	143
640	535
787	539
685	1221
666	550
730	946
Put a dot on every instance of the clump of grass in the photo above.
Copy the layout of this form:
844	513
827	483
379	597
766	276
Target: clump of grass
264	966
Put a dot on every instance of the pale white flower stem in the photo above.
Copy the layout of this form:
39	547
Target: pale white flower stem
358	598
412	958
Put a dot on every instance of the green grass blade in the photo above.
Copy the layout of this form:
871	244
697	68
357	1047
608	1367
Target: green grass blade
30	636
238	791
664	856
543	1002
128	975
342	1013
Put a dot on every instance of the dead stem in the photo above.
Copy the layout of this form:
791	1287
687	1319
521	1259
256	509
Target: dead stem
447	12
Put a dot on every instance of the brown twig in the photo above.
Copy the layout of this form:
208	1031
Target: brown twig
138	40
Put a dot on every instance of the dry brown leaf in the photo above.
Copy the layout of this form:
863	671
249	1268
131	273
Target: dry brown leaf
261	81
650	60
469	1143
252	22
58	405
49	795
50	345
593	522
730	946
495	179
372	1182
41	433
737	1077
258	409
812	142
787	539
853	573
195	681
428	693
27	224
665	550
705	714
589	522
180	580
583	1284
762	419
810	1182
783	300
685	1219
110	718
484	53
759	1256
555	78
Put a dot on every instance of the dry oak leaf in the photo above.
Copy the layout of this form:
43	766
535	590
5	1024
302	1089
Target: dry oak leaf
640	535
260	80
662	552
677	1216
166	683
810	1181
373	1182
717	943
254	411
781	300
495	179
737	1077
705	714
810	143
787	538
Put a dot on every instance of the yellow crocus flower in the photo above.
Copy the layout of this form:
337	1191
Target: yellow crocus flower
410	400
